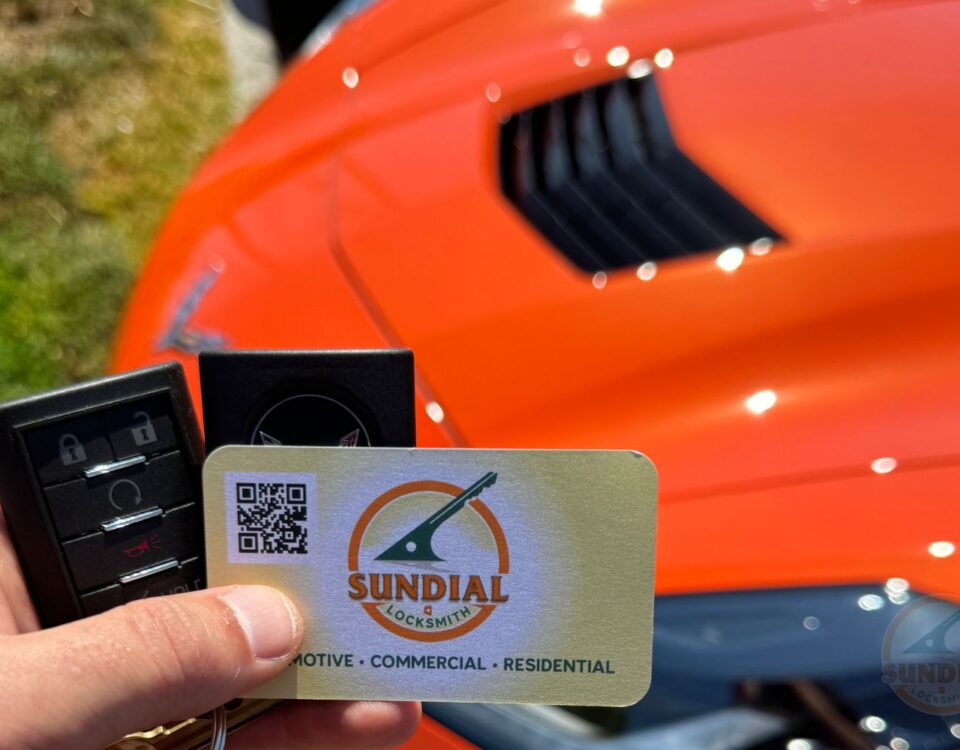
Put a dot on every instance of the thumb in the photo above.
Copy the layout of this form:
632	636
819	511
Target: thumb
88	683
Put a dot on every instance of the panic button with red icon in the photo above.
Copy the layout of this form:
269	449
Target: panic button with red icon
104	556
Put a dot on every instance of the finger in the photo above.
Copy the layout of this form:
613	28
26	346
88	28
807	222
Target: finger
298	725
8	625
87	683
16	610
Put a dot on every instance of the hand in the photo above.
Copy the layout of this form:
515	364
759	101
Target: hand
87	683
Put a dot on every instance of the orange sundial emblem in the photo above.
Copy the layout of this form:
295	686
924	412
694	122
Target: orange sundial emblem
418	584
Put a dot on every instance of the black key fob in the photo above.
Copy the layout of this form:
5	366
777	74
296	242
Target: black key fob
353	398
100	487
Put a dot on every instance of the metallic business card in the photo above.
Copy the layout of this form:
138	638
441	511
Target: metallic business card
499	576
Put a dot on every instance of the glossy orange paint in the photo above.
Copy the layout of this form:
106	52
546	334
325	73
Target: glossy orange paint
371	216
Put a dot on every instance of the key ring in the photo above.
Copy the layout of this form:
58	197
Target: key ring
218	733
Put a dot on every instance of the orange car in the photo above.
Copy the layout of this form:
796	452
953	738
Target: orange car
722	232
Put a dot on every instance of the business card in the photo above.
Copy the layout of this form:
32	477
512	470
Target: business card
496	576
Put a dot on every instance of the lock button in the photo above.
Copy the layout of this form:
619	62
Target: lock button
83	505
64	449
71	450
144	426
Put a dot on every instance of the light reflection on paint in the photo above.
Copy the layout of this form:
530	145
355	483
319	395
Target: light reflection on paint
599	280
942	549
663	59
646	271
761	246
581	58
588	8
435	412
896	585
730	259
898	598
873	724
618	56
761	401
639	68
493	92
883	465
350	78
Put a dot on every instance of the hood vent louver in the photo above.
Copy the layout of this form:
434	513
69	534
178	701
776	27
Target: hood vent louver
599	175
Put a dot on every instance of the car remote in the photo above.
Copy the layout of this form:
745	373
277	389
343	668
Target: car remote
100	487
353	398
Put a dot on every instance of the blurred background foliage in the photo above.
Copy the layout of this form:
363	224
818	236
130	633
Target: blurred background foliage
106	108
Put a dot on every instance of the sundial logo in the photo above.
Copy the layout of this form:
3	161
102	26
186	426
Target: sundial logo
428	560
921	656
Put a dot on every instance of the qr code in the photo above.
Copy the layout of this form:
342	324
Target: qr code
272	518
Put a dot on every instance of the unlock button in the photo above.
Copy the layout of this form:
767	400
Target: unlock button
143	426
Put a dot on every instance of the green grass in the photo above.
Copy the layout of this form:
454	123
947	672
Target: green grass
106	108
